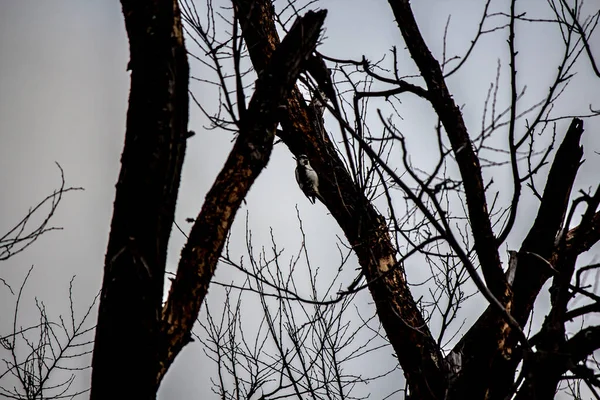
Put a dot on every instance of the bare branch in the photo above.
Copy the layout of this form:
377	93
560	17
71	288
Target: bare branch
468	163
19	237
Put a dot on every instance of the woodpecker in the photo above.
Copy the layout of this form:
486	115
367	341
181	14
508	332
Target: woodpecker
307	179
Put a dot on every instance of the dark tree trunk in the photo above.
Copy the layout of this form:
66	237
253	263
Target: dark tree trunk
125	353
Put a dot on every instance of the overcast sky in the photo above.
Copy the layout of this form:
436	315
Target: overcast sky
63	98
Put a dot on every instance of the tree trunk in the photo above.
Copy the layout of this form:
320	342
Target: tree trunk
125	353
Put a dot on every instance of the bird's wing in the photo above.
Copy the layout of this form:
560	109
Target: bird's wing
298	179
303	188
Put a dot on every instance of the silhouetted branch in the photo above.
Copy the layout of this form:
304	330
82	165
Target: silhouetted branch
21	236
247	159
468	163
293	349
42	361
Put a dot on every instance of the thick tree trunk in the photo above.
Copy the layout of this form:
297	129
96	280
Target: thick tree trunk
125	353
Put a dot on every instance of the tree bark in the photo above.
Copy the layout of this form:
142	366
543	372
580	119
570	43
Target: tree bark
540	240
125	351
543	373
490	346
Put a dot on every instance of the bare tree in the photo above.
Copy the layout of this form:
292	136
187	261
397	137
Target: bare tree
390	207
130	320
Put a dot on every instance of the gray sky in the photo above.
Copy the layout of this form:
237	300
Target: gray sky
63	98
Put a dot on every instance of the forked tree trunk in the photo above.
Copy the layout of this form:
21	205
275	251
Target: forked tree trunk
136	340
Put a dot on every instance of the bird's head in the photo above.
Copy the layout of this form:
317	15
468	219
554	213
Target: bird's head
302	160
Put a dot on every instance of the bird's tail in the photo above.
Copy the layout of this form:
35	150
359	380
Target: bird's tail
318	196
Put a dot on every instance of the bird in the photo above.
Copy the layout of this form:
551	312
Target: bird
307	179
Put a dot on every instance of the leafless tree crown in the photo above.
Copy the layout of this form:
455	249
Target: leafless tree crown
360	121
